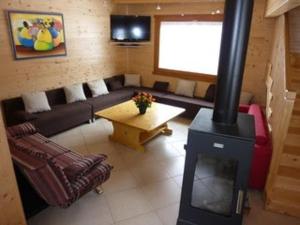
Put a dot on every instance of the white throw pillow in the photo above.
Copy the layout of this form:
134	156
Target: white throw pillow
185	87
36	102
246	98
74	93
98	87
132	80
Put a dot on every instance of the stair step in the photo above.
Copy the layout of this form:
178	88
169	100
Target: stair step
296	112
295	121
294	130
292	149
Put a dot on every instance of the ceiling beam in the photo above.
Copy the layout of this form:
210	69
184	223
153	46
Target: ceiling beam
161	1
279	7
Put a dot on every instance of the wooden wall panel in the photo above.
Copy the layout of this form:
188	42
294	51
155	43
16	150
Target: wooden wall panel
11	212
90	54
141	59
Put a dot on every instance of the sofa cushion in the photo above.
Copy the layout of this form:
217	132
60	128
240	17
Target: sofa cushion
154	93
161	86
25	147
74	93
62	117
113	98
185	88
115	85
98	87
24	116
191	105
35	102
244	108
132	80
38	146
210	93
21	130
96	176
260	129
188	100
80	167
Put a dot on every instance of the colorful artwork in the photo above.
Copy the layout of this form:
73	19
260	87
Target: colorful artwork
36	34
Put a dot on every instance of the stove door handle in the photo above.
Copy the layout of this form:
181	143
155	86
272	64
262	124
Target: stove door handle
240	200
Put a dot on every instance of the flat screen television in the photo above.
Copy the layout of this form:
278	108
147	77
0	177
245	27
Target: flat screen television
126	28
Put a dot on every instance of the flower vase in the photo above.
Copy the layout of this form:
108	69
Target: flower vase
142	109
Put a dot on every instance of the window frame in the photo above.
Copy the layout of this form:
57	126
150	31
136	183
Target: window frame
177	73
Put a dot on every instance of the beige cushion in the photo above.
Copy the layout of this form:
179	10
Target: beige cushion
246	98
74	93
185	88
98	87
36	102
132	80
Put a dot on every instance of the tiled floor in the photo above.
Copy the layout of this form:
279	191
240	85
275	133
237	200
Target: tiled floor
144	188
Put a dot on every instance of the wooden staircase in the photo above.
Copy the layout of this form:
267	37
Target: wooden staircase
283	84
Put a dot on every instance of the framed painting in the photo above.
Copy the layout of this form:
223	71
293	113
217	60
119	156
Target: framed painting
37	34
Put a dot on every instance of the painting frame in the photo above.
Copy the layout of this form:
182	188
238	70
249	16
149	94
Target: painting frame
35	54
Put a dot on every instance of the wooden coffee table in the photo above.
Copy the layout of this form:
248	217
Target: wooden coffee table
134	130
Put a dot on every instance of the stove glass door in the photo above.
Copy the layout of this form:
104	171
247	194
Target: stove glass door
213	185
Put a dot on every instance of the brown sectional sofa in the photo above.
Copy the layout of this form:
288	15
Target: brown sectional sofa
64	116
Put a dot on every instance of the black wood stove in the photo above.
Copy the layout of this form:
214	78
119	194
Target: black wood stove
220	142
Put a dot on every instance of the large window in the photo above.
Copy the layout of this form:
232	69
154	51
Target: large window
188	46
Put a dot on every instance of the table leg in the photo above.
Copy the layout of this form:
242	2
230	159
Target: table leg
167	131
128	136
136	138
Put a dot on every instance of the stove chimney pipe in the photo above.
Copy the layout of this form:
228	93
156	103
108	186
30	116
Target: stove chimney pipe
235	36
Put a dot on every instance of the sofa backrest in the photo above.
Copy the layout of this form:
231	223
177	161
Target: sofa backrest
55	97
10	106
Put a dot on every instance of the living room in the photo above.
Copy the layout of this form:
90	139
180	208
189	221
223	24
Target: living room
136	190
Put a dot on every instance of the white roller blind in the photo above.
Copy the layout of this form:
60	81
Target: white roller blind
191	46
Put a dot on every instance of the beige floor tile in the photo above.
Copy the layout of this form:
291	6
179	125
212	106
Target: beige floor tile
174	166
120	180
95	137
179	146
69	140
127	204
91	209
108	126
178	180
169	214
116	161
176	136
135	158
162	150
145	219
161	194
81	149
102	147
150	173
